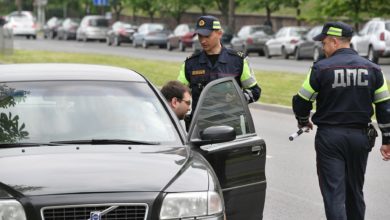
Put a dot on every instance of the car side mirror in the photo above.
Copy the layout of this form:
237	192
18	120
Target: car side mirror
216	134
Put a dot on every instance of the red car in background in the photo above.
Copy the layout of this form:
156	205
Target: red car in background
181	37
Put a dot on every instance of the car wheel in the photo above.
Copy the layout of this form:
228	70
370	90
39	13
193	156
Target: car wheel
316	53
117	41
108	41
169	46
51	35
134	44
144	44
297	56
372	55
181	46
266	53
284	53
34	37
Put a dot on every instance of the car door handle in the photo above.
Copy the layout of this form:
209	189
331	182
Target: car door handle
257	150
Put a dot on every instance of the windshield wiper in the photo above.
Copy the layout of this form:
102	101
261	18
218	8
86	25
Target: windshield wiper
106	141
26	144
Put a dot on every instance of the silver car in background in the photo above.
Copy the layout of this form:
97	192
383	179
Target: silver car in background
92	27
285	41
373	41
151	34
252	38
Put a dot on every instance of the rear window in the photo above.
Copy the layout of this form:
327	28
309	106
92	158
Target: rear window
387	26
99	22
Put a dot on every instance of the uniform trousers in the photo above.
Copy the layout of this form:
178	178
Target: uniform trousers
341	164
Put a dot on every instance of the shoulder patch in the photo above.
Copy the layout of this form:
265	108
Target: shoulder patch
236	53
196	54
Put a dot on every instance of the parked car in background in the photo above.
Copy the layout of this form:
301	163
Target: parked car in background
149	34
51	27
120	32
307	47
285	41
252	38
181	37
92	27
68	29
22	24
373	41
68	156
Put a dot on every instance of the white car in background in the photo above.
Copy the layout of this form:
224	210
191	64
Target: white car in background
373	41
22	24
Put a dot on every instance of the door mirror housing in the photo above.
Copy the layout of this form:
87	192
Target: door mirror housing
216	134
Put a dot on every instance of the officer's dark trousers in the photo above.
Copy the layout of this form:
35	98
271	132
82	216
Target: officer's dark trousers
341	164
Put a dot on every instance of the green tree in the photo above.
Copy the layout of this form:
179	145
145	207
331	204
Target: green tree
270	6
203	5
296	4
347	9
175	8
150	7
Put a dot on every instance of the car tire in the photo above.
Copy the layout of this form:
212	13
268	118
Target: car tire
108	41
284	53
169	47
117	42
144	44
182	48
34	37
134	44
297	56
372	55
266	53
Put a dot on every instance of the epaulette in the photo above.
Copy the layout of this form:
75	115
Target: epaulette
236	53
195	54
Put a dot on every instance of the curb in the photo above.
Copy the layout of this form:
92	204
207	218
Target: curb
272	107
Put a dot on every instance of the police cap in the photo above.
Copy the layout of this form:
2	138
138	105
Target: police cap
206	24
337	29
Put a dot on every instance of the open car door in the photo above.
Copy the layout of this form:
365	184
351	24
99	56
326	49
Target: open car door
239	163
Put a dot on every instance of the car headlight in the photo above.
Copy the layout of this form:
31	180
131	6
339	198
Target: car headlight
11	210
191	204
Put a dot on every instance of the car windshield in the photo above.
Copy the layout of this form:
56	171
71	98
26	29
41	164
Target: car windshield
156	27
298	32
55	111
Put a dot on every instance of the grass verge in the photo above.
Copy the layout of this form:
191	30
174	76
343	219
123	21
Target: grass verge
277	87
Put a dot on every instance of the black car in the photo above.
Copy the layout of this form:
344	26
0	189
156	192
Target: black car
120	32
96	142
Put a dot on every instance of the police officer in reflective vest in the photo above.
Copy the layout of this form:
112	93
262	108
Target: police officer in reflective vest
215	61
344	86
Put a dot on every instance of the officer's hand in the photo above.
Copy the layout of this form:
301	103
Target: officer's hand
385	151
308	124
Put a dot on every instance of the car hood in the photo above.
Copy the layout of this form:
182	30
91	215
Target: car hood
86	169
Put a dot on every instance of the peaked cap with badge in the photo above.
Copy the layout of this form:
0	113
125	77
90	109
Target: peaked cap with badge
207	24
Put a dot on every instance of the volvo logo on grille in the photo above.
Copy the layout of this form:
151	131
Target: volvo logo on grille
96	215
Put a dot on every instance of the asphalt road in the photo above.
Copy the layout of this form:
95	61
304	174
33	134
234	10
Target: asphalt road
154	53
293	192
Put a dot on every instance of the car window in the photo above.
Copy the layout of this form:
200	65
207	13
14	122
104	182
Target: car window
243	32
281	33
387	26
223	105
82	110
99	22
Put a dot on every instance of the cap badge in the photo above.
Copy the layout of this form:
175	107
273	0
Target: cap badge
201	23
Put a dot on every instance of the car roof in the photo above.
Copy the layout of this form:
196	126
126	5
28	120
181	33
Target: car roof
61	71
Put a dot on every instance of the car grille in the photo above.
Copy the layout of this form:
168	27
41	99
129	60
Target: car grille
83	212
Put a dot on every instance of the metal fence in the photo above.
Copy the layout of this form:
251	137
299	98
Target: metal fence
6	41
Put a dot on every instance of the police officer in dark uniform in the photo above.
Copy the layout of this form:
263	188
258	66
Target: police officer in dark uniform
216	61
344	86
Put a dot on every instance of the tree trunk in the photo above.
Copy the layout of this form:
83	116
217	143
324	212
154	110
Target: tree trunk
298	16
231	17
